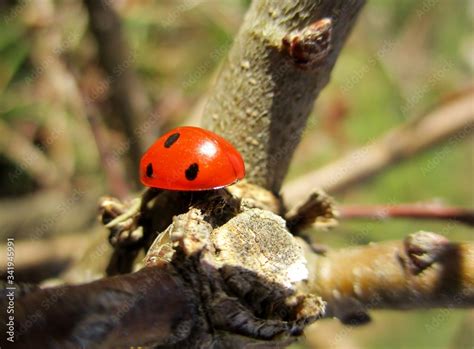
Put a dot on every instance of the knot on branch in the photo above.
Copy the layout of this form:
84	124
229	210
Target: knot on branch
311	45
425	248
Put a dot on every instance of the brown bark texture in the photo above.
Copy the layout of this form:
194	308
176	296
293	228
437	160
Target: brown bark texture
265	92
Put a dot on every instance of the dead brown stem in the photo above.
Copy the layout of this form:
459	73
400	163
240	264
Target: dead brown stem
149	307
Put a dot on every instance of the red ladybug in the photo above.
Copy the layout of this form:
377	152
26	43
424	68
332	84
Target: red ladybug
191	158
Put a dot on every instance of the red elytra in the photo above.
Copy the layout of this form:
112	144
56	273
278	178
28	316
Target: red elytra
191	158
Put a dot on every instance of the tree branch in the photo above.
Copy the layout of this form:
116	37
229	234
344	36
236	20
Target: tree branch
452	122
281	59
425	270
149	307
232	279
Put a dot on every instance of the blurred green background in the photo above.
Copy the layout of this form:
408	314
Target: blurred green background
402	59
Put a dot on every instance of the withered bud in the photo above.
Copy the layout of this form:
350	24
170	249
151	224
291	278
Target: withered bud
310	45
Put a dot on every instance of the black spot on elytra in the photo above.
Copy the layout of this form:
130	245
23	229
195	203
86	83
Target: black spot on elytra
171	140
192	172
149	170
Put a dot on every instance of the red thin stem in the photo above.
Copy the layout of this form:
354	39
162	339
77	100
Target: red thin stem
416	211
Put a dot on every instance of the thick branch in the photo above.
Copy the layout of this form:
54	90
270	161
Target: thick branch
425	270
452	122
276	68
263	272
149	307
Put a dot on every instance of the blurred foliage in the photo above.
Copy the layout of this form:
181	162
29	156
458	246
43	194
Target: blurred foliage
402	59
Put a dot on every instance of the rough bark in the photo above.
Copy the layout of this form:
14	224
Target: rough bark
150	307
264	94
228	286
425	270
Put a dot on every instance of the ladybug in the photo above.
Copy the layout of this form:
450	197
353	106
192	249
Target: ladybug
191	158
